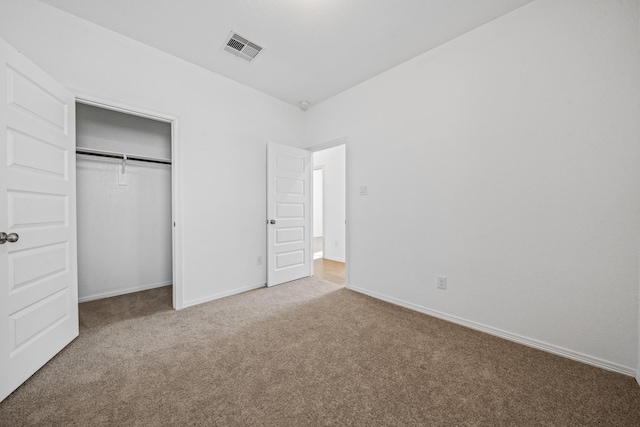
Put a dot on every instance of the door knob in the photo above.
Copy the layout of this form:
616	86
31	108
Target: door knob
3	237
12	237
273	221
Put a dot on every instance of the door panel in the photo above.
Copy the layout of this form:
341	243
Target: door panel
35	155
31	265
288	202
29	97
38	272
289	235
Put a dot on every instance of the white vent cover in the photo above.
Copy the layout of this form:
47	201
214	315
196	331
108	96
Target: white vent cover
241	47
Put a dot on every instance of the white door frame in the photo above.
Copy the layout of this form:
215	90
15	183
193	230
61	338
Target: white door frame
347	244
176	161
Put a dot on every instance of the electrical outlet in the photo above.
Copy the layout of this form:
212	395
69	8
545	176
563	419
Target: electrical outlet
259	260
442	282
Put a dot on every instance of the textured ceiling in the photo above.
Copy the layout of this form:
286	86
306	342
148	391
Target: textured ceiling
313	49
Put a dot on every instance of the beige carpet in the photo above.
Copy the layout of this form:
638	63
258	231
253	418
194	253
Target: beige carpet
306	353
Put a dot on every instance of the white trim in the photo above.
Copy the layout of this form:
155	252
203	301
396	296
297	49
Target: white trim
638	377
114	105
176	174
347	243
549	348
223	295
176	212
123	291
347	246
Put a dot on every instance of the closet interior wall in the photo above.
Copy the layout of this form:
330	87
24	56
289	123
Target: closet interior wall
124	216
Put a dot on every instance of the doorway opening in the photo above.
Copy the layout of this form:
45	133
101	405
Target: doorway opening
329	213
125	205
318	210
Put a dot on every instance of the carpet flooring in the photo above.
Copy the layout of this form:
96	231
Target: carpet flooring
306	353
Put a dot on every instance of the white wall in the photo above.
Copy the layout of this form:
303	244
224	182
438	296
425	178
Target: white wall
222	157
506	160
318	220
124	231
333	161
103	129
508	156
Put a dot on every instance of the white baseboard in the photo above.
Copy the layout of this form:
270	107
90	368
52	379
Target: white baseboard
337	259
638	376
222	295
560	351
117	292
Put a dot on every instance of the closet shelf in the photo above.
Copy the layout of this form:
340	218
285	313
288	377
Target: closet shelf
123	156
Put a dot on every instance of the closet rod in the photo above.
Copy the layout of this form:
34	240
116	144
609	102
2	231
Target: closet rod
114	155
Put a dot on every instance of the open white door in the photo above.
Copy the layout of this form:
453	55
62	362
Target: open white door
288	212
38	274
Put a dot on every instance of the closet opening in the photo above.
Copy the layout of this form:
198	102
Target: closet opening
125	206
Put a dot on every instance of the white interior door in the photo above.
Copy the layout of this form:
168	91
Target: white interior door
288	211
38	277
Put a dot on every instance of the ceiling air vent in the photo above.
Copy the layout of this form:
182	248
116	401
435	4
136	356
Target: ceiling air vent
241	47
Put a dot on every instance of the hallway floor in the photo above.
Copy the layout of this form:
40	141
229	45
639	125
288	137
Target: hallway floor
331	271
